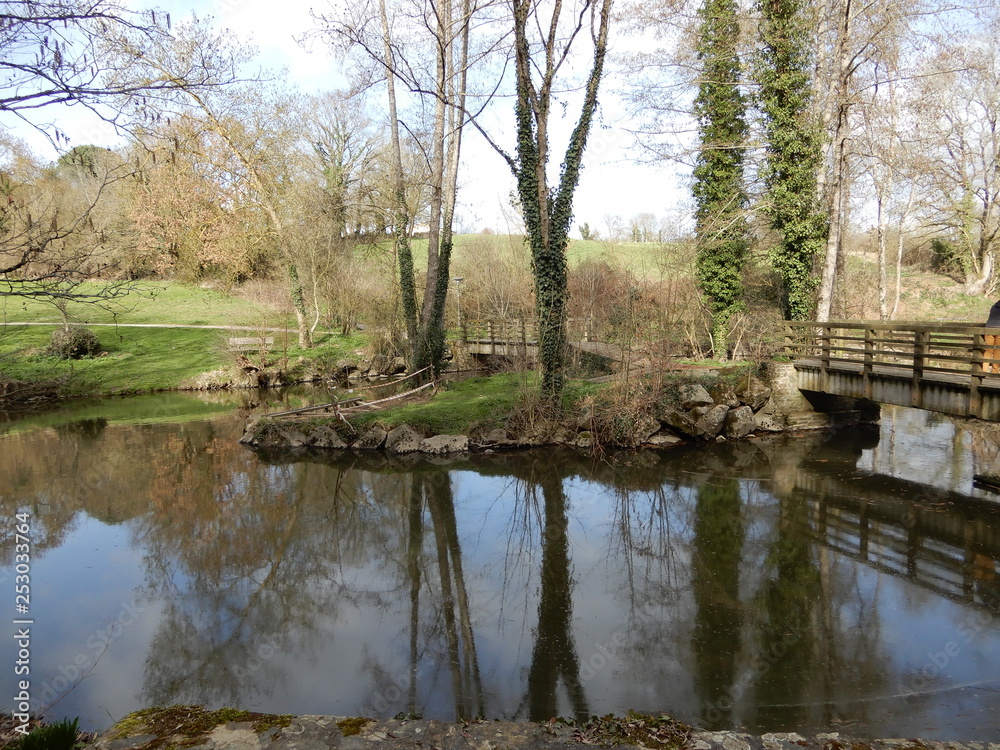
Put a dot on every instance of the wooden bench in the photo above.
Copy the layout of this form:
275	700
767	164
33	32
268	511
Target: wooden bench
250	343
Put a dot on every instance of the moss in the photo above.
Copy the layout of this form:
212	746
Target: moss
654	732
187	725
353	725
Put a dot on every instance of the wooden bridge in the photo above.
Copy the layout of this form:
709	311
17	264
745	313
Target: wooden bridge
947	367
944	541
518	338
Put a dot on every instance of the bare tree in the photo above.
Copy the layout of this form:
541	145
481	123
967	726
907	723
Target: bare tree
254	123
392	39
57	245
76	52
957	125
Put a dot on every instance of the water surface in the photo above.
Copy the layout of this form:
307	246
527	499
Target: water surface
832	581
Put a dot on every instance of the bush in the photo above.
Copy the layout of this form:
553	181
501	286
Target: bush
59	736
74	342
944	257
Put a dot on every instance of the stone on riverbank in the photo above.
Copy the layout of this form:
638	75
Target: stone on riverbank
689	411
357	733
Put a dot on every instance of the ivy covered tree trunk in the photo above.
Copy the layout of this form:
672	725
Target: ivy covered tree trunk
719	193
548	214
425	321
299	303
793	153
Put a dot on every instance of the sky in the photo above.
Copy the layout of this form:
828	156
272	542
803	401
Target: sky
612	184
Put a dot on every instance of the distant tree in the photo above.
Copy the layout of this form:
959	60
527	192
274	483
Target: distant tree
254	124
426	50
720	198
77	52
59	228
956	122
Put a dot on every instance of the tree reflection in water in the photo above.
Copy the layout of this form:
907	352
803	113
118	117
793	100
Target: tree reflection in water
554	655
717	555
747	584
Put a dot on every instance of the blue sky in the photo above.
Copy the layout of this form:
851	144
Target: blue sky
611	184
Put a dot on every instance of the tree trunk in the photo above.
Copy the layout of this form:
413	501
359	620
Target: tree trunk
836	208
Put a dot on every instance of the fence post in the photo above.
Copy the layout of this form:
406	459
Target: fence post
870	335
920	340
977	371
489	334
824	358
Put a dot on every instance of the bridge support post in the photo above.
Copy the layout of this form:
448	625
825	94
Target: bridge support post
920	339
870	336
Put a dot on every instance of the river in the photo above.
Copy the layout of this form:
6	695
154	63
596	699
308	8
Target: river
830	581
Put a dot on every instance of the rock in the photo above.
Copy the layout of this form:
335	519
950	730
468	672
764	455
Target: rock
663	439
723	393
691	395
739	422
711	423
767	423
325	436
440	444
249	431
644	429
371	440
397	366
403	439
562	435
754	392
344	367
680	422
294	438
497	437
584	440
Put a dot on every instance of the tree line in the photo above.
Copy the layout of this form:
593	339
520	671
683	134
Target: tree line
806	114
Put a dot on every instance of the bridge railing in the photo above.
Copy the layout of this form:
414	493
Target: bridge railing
920	349
522	331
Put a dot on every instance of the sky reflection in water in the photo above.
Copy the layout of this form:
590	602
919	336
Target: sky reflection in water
827	581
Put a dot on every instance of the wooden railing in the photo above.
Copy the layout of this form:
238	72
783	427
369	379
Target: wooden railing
919	352
923	347
518	330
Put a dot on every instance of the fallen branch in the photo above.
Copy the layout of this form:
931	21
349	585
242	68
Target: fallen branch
333	404
398	396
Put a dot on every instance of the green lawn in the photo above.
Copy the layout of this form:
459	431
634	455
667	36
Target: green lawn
140	360
480	403
168	303
135	360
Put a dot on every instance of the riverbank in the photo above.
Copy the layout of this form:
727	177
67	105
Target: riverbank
257	732
504	412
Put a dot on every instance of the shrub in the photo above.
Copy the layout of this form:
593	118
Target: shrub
945	257
74	342
58	736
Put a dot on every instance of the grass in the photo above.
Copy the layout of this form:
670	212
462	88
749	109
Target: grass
642	258
167	303
477	404
143	360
